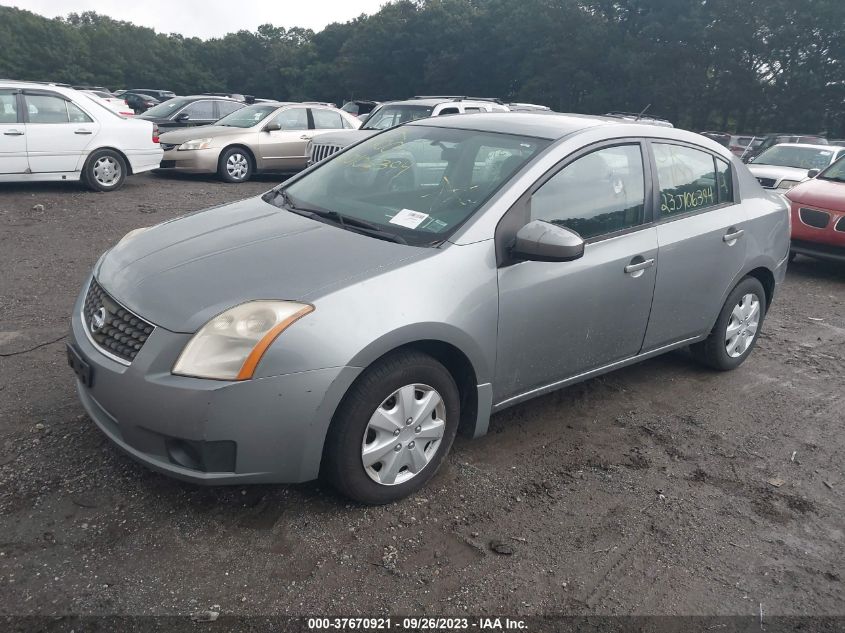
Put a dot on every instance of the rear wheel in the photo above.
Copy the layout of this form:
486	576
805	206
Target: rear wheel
235	165
737	328
105	170
393	429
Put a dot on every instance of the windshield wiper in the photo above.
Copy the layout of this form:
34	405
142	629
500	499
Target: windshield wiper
344	221
356	225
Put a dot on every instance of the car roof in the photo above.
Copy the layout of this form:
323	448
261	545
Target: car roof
554	126
67	91
550	126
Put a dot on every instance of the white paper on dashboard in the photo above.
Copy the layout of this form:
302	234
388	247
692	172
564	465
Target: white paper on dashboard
408	218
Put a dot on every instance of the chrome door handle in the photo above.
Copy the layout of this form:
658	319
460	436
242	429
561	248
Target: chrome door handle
306	137
83	132
632	268
732	237
13	133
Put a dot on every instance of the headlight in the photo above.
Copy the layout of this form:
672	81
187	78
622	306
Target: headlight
197	143
787	184
133	233
230	346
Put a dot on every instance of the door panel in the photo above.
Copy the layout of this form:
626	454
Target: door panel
57	133
12	135
696	267
284	150
560	319
701	240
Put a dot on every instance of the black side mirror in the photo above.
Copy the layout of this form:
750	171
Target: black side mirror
813	173
272	127
183	117
542	241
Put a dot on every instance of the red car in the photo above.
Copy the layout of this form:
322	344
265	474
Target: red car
818	215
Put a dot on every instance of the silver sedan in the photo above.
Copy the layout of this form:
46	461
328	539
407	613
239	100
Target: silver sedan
351	321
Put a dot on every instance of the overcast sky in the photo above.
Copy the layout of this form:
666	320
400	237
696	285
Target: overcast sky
210	18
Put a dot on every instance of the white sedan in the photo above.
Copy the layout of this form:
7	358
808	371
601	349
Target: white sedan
55	133
114	103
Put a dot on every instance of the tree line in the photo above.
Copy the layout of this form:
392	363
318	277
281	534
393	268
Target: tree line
740	65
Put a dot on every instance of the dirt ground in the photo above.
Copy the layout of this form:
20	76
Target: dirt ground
662	488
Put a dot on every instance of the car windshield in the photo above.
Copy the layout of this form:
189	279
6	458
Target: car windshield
416	184
800	157
167	108
392	115
835	172
248	116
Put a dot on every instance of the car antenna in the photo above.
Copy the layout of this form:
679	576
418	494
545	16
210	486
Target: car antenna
640	115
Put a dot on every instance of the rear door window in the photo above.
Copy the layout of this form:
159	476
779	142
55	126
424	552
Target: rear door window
326	119
46	109
686	177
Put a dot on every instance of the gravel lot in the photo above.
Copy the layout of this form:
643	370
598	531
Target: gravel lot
646	491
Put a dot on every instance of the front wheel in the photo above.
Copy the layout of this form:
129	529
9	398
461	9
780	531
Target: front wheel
105	170
235	165
737	328
393	429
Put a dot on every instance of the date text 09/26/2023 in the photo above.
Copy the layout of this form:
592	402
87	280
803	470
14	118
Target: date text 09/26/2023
416	624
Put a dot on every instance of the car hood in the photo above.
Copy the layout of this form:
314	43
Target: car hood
179	274
824	194
201	131
778	173
343	138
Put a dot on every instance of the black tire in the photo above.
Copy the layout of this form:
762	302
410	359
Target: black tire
242	159
342	457
792	256
713	350
105	170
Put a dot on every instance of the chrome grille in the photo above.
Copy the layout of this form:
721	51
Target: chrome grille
167	146
322	152
114	329
811	217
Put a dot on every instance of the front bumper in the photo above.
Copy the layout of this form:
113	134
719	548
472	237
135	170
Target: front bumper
199	161
267	430
823	242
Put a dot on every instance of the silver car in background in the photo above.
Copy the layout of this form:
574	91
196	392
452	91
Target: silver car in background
393	113
349	322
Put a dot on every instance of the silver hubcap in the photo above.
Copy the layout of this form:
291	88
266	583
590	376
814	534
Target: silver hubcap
403	434
237	166
742	327
107	171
